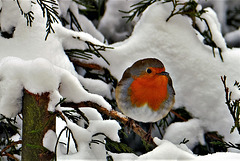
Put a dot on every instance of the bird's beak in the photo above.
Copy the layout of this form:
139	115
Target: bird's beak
164	73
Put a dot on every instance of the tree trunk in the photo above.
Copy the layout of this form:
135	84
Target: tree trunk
37	120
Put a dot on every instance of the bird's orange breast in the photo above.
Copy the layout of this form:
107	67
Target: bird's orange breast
151	90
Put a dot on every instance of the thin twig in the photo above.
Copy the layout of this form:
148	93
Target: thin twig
76	62
12	144
4	153
11	156
177	115
115	115
233	106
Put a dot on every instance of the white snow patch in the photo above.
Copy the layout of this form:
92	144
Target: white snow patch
220	156
195	73
167	151
192	67
69	90
38	76
55	97
86	25
112	25
25	5
28	61
96	131
9	15
96	86
233	37
190	130
83	138
215	27
91	113
81	36
49	140
123	156
108	127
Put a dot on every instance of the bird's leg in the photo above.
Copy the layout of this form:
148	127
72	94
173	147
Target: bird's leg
129	124
148	136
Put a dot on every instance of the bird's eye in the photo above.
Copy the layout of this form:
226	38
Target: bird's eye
148	70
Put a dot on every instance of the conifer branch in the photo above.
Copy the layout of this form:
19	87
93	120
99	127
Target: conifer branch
74	21
49	9
115	115
86	65
4	152
138	9
10	156
188	8
87	53
63	116
231	145
233	105
178	116
207	34
29	16
96	48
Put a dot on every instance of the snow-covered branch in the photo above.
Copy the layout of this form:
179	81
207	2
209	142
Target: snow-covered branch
116	116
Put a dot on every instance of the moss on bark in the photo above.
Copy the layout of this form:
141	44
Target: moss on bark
37	120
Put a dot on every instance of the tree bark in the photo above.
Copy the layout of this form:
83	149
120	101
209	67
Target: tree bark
37	120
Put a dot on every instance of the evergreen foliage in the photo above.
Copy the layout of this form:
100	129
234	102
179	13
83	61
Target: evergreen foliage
233	105
138	9
93	9
49	9
188	8
8	147
233	17
29	15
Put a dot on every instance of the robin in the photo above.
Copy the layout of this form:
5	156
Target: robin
145	92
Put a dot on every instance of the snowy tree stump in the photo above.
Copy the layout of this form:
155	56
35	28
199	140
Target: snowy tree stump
37	120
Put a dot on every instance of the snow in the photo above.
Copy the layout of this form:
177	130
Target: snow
91	114
55	96
190	130
38	76
211	17
232	38
70	39
221	8
49	140
9	15
112	25
82	36
193	68
82	140
220	156
71	89
25	5
28	61
97	130
167	151
97	86
100	127
123	156
86	25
